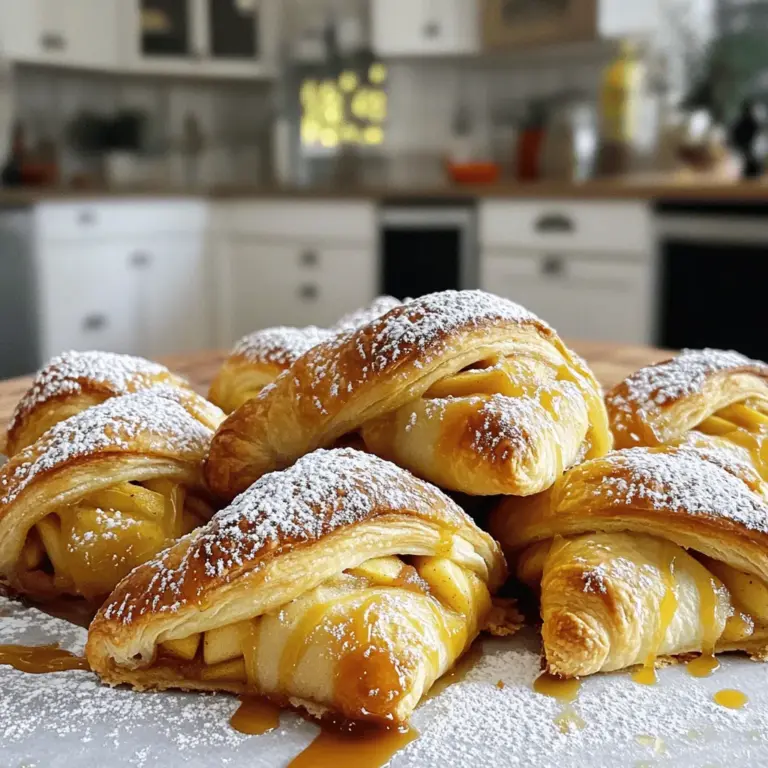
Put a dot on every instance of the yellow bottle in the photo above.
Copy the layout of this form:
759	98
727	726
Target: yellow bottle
619	97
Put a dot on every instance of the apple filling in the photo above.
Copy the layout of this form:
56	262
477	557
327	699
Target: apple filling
365	643
86	548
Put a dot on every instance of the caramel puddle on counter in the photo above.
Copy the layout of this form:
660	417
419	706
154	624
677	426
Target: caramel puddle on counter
565	691
731	698
255	716
353	746
38	660
703	666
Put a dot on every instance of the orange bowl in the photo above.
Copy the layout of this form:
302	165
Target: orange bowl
473	173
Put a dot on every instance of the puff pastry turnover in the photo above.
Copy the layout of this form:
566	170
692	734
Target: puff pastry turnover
646	552
259	358
100	493
341	585
74	381
465	389
703	397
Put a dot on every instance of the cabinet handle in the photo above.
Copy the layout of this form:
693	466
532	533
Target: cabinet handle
308	292
555	223
553	266
140	260
309	259
92	323
431	30
86	218
53	41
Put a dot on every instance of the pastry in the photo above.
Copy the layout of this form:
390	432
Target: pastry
701	397
341	585
100	493
465	389
644	553
74	381
259	358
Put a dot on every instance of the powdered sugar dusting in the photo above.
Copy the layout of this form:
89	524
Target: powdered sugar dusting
417	332
109	426
65	374
68	719
687	479
365	315
648	390
323	492
280	345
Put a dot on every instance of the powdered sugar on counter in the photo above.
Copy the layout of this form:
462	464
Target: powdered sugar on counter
68	719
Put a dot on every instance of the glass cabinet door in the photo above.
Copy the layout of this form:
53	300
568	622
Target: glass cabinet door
233	29
165	27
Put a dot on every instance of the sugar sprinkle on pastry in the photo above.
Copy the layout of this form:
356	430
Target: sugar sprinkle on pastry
321	493
281	345
109	425
365	315
698	482
64	375
653	387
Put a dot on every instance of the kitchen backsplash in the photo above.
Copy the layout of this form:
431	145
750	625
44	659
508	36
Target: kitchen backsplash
232	118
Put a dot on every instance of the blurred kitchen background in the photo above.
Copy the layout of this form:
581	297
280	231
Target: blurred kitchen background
177	173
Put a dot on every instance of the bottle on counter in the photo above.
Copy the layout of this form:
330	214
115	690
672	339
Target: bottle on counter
530	143
619	106
12	174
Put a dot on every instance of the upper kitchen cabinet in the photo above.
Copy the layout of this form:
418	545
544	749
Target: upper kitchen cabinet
424	27
217	38
76	33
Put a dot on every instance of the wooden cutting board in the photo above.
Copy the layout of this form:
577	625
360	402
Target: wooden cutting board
610	362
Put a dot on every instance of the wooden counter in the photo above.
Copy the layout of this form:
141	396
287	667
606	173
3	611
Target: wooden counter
641	189
610	362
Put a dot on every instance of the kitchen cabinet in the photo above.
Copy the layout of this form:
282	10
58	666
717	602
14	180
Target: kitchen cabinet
291	263
75	33
424	27
581	296
105	282
218	38
588	268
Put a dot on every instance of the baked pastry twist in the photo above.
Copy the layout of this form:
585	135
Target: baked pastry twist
465	389
259	358
100	493
341	585
700	397
643	553
74	381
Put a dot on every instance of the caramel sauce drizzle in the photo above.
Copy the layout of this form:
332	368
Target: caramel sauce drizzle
255	716
646	675
706	664
566	692
43	659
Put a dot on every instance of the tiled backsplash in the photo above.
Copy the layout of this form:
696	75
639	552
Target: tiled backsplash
233	117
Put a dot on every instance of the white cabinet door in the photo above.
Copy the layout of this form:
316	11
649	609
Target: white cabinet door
266	284
425	27
21	27
174	295
76	33
581	296
80	33
88	298
618	18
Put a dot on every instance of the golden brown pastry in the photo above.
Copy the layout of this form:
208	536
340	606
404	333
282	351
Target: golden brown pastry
701	396
341	585
100	493
643	553
465	389
259	358
74	381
